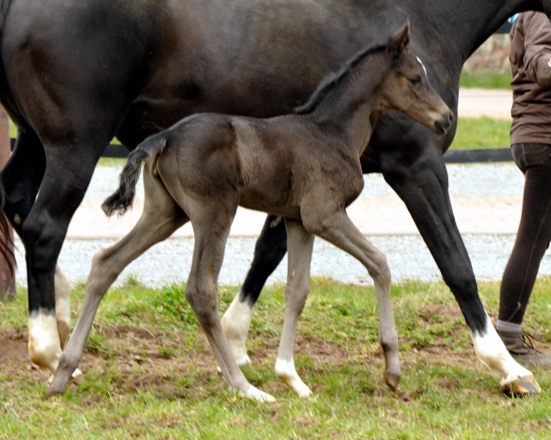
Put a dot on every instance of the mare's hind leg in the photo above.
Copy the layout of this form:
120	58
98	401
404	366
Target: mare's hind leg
211	222
160	218
43	231
300	244
21	178
62	305
269	250
339	230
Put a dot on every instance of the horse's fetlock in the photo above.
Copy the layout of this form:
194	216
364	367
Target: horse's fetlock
389	346
68	361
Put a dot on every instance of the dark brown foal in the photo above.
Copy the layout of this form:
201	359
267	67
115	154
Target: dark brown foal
304	167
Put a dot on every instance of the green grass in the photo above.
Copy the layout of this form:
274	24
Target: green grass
481	133
149	373
486	79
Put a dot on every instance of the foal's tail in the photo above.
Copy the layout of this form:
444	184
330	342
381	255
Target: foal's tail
122	198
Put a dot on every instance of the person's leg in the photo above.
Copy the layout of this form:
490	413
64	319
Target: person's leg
532	240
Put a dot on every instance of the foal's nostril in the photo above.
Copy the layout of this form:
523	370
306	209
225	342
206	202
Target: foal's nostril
443	124
451	117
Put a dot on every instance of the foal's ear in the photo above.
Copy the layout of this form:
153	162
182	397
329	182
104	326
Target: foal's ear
401	39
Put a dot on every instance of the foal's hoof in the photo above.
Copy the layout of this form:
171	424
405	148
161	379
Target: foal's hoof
53	390
59	384
254	393
523	386
392	380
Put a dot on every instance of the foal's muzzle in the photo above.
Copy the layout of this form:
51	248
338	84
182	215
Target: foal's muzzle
442	125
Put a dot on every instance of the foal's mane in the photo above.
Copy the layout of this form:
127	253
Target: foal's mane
333	79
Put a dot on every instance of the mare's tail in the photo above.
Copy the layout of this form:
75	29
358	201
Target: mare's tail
122	198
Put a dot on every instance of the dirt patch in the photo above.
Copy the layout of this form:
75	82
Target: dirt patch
441	312
13	343
131	358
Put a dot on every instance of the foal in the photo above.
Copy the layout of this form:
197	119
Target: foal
304	167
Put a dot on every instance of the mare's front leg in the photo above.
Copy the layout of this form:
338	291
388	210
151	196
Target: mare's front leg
337	228
300	244
418	175
211	219
269	250
160	218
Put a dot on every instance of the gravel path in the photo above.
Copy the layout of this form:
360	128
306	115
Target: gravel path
407	255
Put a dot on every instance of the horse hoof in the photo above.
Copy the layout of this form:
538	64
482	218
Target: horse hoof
523	386
52	391
392	380
56	388
254	393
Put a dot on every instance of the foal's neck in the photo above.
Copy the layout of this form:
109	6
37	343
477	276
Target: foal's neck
351	109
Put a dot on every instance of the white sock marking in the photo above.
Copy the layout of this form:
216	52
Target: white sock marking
287	372
491	351
236	322
62	297
44	347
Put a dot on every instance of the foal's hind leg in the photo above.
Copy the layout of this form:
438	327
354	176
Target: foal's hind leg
300	244
211	222
339	230
160	218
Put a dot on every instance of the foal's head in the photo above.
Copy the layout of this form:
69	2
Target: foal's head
407	89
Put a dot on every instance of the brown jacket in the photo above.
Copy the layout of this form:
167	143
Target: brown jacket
530	59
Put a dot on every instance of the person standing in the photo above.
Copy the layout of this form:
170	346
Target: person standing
530	59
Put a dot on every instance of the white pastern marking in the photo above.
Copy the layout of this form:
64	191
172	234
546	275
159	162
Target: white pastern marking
62	297
236	322
44	347
287	372
422	65
491	351
254	393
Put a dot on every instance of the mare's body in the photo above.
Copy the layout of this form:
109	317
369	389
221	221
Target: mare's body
75	73
304	167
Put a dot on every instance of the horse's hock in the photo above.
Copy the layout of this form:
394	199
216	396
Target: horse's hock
493	55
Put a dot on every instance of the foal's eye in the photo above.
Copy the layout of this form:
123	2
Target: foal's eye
415	80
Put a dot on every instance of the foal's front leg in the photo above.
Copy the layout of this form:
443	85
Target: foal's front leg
300	244
338	229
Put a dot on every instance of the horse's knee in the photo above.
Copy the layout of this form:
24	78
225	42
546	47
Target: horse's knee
202	299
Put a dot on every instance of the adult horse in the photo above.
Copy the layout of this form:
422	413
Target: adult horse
75	73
